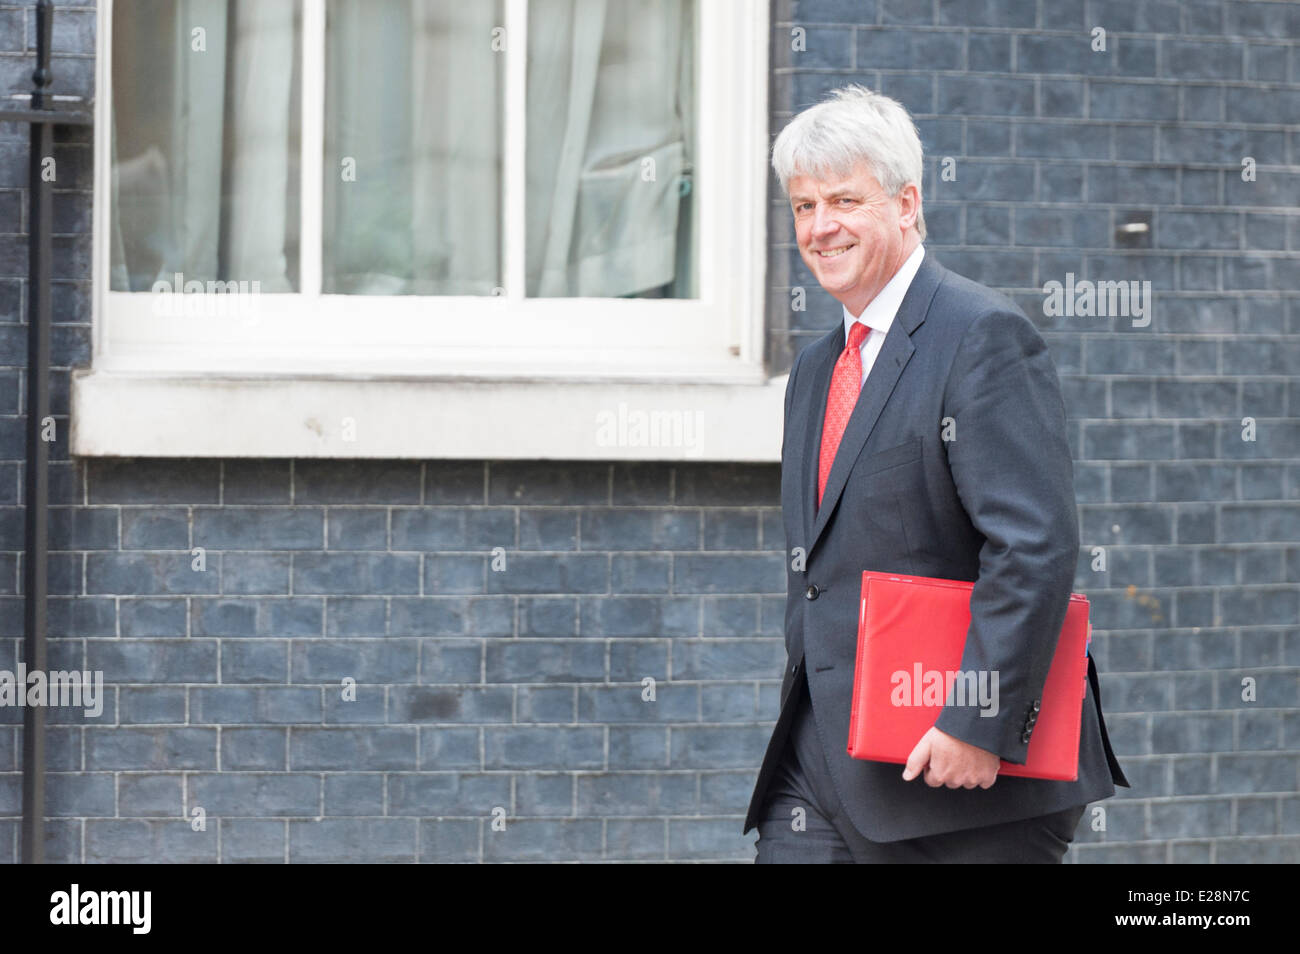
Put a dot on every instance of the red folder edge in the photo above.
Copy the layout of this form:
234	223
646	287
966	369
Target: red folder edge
1059	708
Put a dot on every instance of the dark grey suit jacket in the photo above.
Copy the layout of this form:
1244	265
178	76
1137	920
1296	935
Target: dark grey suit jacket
994	505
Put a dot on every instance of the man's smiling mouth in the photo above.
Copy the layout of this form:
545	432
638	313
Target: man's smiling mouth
832	253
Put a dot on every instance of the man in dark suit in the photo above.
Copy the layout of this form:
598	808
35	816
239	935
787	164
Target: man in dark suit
925	435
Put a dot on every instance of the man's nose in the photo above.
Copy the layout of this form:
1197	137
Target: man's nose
823	222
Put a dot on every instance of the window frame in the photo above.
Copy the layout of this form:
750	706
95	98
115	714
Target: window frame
307	331
590	354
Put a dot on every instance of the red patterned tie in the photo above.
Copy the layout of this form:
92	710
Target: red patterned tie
846	382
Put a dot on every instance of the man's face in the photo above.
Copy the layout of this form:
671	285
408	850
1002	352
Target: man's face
851	235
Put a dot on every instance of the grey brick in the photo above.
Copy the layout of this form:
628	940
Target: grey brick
478	705
354	750
1258	851
246	749
368	706
640	616
447	747
273	794
261	705
448	528
147	573
1191	818
252	528
249	617
246	840
445	840
628	529
121	841
129	480
369	662
552	573
1116	99
639	573
523	483
154	704
255	573
717	746
529	839
547	529
547	616
142	616
822	49
536	660
356	616
885	48
368	840
673	702
246	481
128	749
154	660
544	747
356	481
336	573
255	661
729	702
454	482
1186	732
1201	59
726	485
636	839
447	793
545	793
81	795
356	528
707	838
1248	774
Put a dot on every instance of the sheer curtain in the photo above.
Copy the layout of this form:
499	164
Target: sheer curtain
205	177
611	136
204	171
413	141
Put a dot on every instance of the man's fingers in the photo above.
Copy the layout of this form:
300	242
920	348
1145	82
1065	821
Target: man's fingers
918	760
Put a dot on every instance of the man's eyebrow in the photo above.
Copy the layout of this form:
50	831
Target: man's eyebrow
835	194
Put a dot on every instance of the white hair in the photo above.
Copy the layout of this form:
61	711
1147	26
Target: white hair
852	125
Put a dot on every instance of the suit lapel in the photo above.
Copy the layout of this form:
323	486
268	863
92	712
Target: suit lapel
893	357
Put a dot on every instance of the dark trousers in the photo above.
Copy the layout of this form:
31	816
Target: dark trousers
822	833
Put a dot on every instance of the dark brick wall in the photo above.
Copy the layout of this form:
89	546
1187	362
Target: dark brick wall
522	689
1055	146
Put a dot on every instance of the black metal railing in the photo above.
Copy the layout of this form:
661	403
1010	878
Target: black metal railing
42	117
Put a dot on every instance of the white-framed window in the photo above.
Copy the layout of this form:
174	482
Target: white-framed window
430	228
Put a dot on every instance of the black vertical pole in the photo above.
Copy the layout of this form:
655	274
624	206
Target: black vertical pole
38	408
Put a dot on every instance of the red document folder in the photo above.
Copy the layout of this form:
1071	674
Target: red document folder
911	633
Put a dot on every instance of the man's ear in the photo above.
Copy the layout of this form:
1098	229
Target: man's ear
909	205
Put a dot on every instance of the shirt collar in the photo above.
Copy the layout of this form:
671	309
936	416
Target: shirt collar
880	311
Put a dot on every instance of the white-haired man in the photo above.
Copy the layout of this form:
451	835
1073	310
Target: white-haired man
923	435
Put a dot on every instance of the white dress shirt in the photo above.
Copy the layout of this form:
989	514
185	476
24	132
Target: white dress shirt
880	311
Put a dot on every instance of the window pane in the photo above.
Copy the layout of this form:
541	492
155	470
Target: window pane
205	142
413	137
611	143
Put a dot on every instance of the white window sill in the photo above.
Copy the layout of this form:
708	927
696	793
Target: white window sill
120	414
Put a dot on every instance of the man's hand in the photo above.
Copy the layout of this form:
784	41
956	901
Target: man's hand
951	762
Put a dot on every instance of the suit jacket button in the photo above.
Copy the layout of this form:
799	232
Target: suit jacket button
1024	736
1037	705
794	669
812	592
